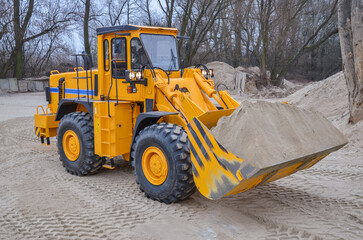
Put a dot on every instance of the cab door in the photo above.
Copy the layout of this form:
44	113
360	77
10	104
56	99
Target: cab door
118	66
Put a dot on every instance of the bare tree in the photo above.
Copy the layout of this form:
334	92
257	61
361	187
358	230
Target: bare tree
197	18
167	6
314	40
115	10
266	9
5	21
351	39
25	31
19	32
280	36
144	6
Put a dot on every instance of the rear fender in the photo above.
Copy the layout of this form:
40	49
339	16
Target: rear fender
66	106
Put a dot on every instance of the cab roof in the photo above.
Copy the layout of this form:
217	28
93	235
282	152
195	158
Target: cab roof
128	28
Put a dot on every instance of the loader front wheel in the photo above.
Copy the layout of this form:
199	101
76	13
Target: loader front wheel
162	163
75	144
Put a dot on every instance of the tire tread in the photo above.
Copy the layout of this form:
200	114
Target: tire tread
92	162
178	143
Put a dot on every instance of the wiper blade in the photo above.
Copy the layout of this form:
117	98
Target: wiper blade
173	60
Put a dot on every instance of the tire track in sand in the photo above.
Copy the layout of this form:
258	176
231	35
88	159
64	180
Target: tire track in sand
291	208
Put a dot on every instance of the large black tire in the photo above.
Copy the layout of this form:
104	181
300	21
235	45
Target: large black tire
82	124
174	143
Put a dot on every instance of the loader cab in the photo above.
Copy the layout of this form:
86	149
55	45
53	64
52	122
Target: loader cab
129	48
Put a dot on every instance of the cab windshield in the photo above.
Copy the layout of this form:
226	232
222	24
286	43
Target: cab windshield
161	50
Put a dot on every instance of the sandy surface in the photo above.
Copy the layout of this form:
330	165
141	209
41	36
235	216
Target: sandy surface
20	104
40	200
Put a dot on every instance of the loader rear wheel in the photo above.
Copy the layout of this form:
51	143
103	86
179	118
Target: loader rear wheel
76	144
162	163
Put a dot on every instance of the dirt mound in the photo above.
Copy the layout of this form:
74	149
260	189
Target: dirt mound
227	77
266	134
224	75
252	76
330	97
246	81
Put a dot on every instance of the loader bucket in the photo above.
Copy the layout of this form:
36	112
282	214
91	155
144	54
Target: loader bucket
218	172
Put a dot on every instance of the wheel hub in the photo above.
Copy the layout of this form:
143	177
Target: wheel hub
71	145
154	165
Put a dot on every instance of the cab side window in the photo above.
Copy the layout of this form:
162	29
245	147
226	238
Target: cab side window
106	55
119	59
138	54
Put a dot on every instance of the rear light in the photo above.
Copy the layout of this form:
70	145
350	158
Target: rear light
131	89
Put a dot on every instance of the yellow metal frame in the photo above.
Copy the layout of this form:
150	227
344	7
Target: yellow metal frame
44	124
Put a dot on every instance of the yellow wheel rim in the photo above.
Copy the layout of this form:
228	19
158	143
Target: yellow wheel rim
71	145
154	165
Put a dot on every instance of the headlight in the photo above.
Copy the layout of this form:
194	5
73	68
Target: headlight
138	75
211	72
204	73
132	75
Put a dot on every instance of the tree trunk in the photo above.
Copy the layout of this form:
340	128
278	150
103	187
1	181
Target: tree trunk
350	21
18	37
266	8
128	11
148	12
87	46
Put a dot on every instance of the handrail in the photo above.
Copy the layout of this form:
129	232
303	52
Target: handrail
39	106
91	82
108	96
77	75
76	69
48	112
114	75
87	85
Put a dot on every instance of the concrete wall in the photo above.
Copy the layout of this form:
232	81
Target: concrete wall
24	85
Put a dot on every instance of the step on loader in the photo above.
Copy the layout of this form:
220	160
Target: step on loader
141	105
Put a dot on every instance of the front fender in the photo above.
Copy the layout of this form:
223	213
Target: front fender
144	120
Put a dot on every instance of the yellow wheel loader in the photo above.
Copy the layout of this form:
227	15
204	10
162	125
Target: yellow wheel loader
141	105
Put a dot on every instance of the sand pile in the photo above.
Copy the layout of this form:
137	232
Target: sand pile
246	81
252	77
227	77
266	134
330	97
223	75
